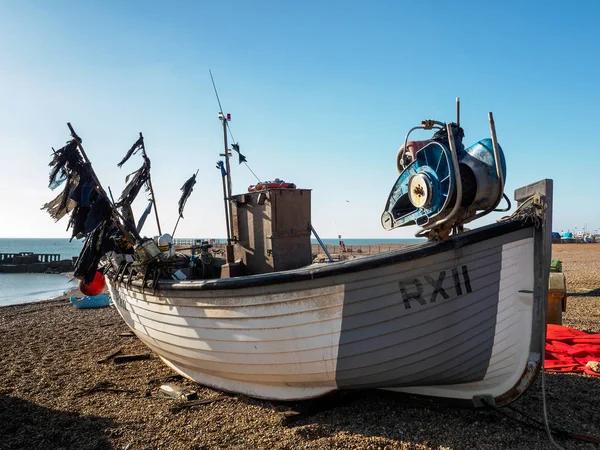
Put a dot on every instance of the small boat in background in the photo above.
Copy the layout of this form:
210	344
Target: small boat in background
96	301
568	238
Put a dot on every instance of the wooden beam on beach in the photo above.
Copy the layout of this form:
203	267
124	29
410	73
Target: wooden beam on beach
128	358
161	380
110	355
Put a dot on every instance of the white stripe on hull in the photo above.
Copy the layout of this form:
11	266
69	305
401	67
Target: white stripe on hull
247	348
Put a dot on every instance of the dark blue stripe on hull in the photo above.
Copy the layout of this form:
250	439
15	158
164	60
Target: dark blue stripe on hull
435	327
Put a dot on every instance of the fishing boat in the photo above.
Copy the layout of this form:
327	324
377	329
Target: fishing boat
459	317
568	238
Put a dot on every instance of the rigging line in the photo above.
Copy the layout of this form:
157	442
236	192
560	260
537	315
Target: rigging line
230	133
233	140
216	93
227	122
258	179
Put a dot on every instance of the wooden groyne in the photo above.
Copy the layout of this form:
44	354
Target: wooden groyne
29	262
28	258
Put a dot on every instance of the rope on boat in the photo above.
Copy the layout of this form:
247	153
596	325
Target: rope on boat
532	209
532	422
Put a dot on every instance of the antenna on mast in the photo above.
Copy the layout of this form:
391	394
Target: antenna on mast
458	111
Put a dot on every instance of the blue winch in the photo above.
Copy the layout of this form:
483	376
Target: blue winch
437	172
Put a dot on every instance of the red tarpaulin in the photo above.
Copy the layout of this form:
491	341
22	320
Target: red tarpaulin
569	350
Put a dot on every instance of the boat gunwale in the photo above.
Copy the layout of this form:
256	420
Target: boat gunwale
409	253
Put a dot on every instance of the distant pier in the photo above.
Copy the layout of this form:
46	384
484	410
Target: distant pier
29	262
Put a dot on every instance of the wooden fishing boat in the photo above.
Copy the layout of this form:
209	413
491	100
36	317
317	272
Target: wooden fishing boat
460	317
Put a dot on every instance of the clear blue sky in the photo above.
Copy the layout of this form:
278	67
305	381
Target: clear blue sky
321	94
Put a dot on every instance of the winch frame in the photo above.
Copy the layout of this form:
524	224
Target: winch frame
441	228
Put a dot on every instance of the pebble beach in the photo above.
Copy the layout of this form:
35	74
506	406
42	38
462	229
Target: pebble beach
58	391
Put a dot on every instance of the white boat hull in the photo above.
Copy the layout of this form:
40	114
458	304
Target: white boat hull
447	320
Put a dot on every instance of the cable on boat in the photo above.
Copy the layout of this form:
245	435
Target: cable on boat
509	205
540	425
227	123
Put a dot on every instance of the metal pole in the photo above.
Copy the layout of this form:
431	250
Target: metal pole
226	211
176	223
321	243
496	152
150	186
228	170
458	111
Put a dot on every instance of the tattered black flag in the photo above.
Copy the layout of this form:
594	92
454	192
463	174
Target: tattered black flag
134	148
140	177
236	147
66	165
186	189
62	204
64	160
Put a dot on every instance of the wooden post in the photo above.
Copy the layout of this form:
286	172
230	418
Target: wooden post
542	259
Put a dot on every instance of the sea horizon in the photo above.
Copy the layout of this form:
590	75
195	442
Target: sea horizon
61	246
68	249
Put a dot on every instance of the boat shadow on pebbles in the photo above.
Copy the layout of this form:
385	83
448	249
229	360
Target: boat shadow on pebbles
27	425
396	420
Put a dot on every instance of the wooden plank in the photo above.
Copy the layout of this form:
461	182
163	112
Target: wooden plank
110	355
164	379
128	358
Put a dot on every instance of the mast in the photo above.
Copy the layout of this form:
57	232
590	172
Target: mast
228	212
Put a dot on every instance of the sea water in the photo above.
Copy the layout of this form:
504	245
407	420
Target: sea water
63	247
27	287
